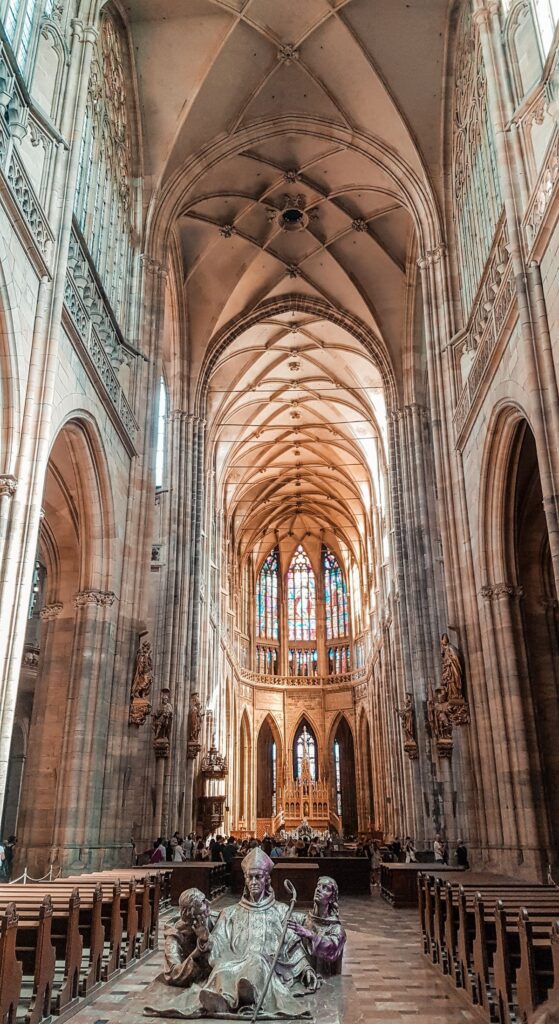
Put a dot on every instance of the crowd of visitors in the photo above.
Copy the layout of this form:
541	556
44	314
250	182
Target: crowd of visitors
222	849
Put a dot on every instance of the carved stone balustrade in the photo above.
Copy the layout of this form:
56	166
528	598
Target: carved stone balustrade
341	679
94	325
490	314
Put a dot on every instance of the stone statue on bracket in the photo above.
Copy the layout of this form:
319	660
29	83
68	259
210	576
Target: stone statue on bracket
440	724
195	719
452	682
162	723
406	715
142	682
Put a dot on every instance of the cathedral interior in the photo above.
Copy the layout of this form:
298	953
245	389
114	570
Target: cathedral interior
279	426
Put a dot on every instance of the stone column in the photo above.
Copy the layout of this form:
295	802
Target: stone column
130	797
18	555
459	576
514	733
81	777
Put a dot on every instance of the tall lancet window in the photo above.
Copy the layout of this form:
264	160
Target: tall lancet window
301	598
19	17
267	598
335	596
304	752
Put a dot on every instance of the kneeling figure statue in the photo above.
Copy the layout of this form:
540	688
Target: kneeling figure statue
322	934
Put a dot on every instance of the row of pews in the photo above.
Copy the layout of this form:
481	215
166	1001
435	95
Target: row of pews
61	940
499	941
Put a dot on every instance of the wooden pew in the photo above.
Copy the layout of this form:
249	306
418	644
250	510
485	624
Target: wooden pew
505	957
147	889
64	934
43	957
10	968
93	930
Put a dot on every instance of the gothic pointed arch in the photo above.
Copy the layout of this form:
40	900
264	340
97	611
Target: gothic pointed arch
75	641
305	751
520	593
269	758
343	779
245	801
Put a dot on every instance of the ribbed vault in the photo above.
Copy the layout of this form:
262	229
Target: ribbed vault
284	164
296	413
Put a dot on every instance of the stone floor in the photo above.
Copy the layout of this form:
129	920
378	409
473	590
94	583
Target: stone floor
386	978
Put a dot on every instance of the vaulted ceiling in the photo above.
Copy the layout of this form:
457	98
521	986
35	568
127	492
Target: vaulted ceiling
286	139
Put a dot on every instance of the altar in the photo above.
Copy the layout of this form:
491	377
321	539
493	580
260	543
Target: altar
308	800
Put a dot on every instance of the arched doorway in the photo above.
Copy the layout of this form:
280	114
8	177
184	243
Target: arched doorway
267	772
537	625
343	777
67	684
245	775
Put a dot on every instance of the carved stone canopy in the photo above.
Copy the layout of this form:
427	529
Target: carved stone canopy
214	765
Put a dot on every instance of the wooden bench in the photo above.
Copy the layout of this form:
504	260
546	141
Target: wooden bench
497	940
61	942
398	882
209	876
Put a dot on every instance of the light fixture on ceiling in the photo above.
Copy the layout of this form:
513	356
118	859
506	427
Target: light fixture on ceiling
294	363
292	215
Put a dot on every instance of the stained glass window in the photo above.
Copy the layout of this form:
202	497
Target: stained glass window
18	24
335	596
337	768
303	661
301	598
267	598
161	424
338	659
305	748
274	778
267	660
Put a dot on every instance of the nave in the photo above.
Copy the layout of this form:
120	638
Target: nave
385	979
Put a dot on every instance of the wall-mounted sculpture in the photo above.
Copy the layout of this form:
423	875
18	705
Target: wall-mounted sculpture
195	719
452	683
440	725
407	716
162	724
142	682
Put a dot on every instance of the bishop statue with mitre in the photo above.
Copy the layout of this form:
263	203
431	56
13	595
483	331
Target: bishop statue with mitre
256	965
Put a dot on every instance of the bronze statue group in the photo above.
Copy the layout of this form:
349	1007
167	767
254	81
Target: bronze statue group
250	961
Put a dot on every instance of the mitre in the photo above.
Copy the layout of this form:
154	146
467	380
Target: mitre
257	860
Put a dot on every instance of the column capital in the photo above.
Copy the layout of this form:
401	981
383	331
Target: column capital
8	485
432	256
153	266
51	611
498	591
99	598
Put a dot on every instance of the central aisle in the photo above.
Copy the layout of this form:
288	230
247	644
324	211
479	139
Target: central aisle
385	978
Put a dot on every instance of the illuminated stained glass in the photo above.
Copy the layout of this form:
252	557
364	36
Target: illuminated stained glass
304	749
338	772
303	661
267	598
301	598
335	597
338	659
